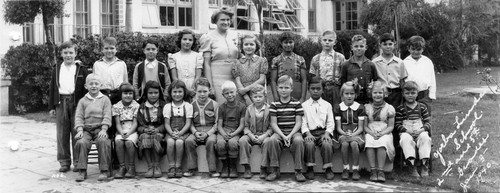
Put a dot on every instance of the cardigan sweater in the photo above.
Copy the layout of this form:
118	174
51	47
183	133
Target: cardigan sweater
93	112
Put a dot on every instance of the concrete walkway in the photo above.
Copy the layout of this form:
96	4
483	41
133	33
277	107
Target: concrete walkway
33	168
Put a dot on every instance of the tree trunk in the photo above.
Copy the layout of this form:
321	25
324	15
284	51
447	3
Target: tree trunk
48	37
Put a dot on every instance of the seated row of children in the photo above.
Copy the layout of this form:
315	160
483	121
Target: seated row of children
229	130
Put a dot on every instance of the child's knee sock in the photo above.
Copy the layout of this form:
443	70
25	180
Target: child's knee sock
355	167
346	167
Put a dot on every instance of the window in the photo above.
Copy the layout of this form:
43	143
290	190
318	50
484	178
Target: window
213	3
28	32
168	13
82	23
338	16
312	15
351	15
107	17
281	15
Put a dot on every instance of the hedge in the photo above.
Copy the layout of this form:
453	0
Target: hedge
29	65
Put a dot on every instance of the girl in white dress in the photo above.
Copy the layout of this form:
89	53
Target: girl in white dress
379	140
186	65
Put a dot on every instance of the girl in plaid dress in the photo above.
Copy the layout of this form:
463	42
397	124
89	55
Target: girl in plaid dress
151	128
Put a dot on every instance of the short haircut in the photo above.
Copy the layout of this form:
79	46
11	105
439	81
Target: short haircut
410	86
228	85
126	87
329	32
110	40
151	84
257	89
316	80
67	44
386	37
202	82
91	77
358	37
416	42
150	41
181	34
285	79
256	40
346	85
286	36
378	84
224	10
178	84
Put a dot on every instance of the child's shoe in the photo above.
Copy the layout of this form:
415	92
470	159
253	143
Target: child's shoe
345	174
274	174
178	172
214	174
81	176
64	169
329	174
381	176
310	173
263	173
373	176
103	176
233	172
299	177
130	172
355	175
121	172
189	173
150	172
75	169
225	169
425	171
171	173
414	171
248	172
157	172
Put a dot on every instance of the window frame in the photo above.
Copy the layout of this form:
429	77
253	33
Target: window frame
177	5
82	29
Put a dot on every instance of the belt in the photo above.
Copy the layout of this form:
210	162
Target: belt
66	95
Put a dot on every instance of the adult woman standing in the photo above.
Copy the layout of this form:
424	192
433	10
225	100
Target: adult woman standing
220	50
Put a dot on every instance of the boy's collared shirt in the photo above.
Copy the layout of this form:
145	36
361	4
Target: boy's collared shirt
93	111
365	72
326	65
390	73
317	114
151	64
299	62
67	78
113	74
99	95
422	72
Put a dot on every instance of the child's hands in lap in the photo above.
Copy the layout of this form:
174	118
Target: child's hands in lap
288	140
260	139
309	137
79	135
326	138
102	134
125	135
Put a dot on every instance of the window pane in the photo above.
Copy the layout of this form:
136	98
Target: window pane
182	16
170	16
163	15
213	3
337	6
166	1
189	16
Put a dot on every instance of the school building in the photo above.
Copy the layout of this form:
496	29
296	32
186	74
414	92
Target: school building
306	17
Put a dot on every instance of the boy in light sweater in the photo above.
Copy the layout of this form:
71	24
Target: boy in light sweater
92	120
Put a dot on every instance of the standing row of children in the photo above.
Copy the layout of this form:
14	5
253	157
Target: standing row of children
337	114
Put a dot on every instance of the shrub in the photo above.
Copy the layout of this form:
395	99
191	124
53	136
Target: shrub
29	68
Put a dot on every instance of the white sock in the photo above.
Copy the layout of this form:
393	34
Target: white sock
355	167
346	167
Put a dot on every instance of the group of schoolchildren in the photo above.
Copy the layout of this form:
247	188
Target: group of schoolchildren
355	105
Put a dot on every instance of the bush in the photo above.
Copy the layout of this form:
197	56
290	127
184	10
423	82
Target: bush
30	69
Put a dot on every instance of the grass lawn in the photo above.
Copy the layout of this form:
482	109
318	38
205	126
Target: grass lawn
451	103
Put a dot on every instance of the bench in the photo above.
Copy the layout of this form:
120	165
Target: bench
286	162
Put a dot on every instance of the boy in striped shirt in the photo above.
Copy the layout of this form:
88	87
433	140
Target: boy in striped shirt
286	119
414	127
